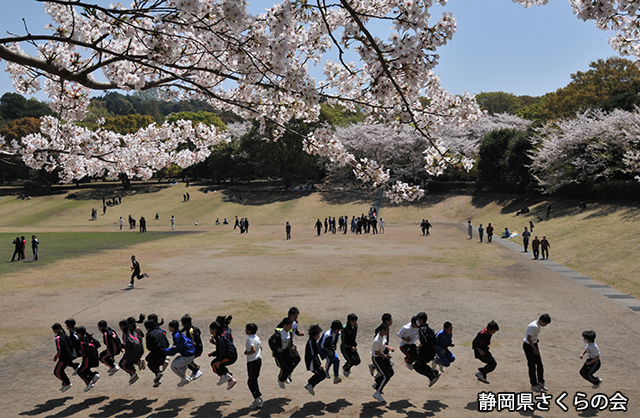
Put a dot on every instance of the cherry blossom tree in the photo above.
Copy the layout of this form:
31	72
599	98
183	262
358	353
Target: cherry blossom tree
253	64
595	146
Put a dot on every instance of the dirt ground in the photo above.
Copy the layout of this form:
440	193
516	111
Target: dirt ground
257	277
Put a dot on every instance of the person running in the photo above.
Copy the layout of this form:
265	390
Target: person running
135	271
284	351
157	344
132	348
186	350
112	345
225	353
327	346
481	351
312	359
194	334
253	351
63	357
381	361
89	350
348	344
532	353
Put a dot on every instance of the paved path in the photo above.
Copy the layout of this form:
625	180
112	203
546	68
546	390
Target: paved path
601	289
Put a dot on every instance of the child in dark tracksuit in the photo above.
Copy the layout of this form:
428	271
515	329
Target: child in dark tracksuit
348	344
284	352
75	343
312	359
113	347
156	344
89	350
194	334
481	350
328	344
225	353
63	356
132	346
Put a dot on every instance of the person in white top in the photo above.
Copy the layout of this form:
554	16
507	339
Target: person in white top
408	335
592	364
253	351
381	361
531	351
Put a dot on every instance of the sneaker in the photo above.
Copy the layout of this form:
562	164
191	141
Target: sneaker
185	381
309	388
113	370
542	387
134	378
158	377
536	388
196	375
95	379
597	385
257	404
379	397
156	384
142	364
89	387
231	383
65	388
337	380
375	387
144	275
409	365
281	384
435	379
372	369
165	364
131	285
223	379
346	373
481	377
441	367
75	371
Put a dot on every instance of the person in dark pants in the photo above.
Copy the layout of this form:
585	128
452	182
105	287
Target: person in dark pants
381	361
157	343
312	359
113	347
34	247
63	357
253	351
18	246
285	352
592	364
535	246
319	227
194	334
531	351
489	232
288	230
525	239
89	350
545	247
348	344
481	350
135	268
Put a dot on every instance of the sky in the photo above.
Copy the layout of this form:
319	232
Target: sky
499	45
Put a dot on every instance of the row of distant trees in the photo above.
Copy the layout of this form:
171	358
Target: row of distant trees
576	139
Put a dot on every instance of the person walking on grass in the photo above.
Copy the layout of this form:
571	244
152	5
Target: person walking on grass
470	229
532	353
135	271
480	232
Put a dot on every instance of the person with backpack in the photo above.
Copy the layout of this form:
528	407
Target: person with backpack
157	343
63	357
75	344
186	350
194	334
132	347
113	347
284	352
426	351
89	350
225	353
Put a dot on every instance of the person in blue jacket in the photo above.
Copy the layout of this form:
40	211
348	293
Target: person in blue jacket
444	340
186	350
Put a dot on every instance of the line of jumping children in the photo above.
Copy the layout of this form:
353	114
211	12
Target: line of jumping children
424	351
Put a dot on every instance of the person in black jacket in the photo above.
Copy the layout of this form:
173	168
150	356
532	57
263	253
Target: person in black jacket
63	356
89	350
135	271
194	334
112	345
481	350
312	359
157	342
225	353
348	345
427	350
18	248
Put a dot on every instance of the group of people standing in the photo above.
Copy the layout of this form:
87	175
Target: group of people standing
20	245
537	245
242	224
362	224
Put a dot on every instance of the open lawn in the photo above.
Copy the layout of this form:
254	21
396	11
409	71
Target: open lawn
208	270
